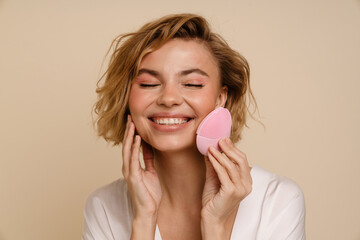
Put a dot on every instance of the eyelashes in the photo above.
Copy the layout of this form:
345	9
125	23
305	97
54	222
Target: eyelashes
148	85
186	85
194	85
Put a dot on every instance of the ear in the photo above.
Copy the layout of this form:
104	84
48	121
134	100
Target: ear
222	97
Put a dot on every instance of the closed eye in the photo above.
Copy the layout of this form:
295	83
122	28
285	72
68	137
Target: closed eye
194	85
148	85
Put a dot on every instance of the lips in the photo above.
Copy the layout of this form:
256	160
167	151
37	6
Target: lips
169	115
170	122
166	115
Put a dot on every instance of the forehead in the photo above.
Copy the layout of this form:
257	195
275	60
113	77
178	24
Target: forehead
179	54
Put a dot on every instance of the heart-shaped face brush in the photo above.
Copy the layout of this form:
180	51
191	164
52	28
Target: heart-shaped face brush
215	126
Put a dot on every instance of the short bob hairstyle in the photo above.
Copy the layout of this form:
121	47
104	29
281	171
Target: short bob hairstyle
129	49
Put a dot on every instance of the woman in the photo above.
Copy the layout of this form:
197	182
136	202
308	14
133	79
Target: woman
161	83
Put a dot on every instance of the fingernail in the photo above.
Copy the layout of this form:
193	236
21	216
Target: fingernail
213	149
228	140
222	141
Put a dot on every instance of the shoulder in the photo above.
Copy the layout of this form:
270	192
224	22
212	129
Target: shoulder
109	197
114	188
275	186
108	212
282	205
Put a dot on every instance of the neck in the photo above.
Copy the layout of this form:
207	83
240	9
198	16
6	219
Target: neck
182	178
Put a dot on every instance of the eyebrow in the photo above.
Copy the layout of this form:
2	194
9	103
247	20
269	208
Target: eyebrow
182	73
193	70
148	71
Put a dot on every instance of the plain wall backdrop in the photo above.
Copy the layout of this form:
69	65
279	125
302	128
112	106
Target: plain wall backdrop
305	61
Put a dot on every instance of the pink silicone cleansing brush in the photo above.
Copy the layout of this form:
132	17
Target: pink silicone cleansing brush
215	126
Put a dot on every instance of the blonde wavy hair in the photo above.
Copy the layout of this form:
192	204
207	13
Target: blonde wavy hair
129	49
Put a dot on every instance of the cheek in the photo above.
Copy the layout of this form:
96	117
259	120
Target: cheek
203	102
139	102
204	99
136	107
136	101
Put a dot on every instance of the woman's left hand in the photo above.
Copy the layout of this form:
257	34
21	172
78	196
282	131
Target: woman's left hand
228	182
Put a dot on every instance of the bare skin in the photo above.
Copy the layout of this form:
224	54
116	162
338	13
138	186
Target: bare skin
188	195
177	218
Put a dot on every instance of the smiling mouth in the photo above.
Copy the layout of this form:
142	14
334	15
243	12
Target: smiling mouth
170	121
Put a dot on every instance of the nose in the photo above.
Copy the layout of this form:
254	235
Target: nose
170	95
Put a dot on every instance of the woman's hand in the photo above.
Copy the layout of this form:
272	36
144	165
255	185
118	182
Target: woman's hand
144	185
228	182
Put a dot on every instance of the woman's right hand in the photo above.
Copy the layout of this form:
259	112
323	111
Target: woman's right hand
144	184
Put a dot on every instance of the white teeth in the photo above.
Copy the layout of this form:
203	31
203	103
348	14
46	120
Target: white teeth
170	121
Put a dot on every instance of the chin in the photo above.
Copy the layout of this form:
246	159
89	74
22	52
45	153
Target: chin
172	145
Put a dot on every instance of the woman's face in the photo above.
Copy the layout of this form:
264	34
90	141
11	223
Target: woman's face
177	86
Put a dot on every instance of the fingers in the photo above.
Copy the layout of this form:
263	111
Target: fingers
135	168
219	169
210	171
148	155
130	150
209	167
237	157
229	166
233	152
127	145
232	168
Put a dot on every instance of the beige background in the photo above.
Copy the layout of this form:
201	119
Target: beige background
305	60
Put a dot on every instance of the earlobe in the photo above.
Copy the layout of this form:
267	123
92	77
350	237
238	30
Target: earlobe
221	100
